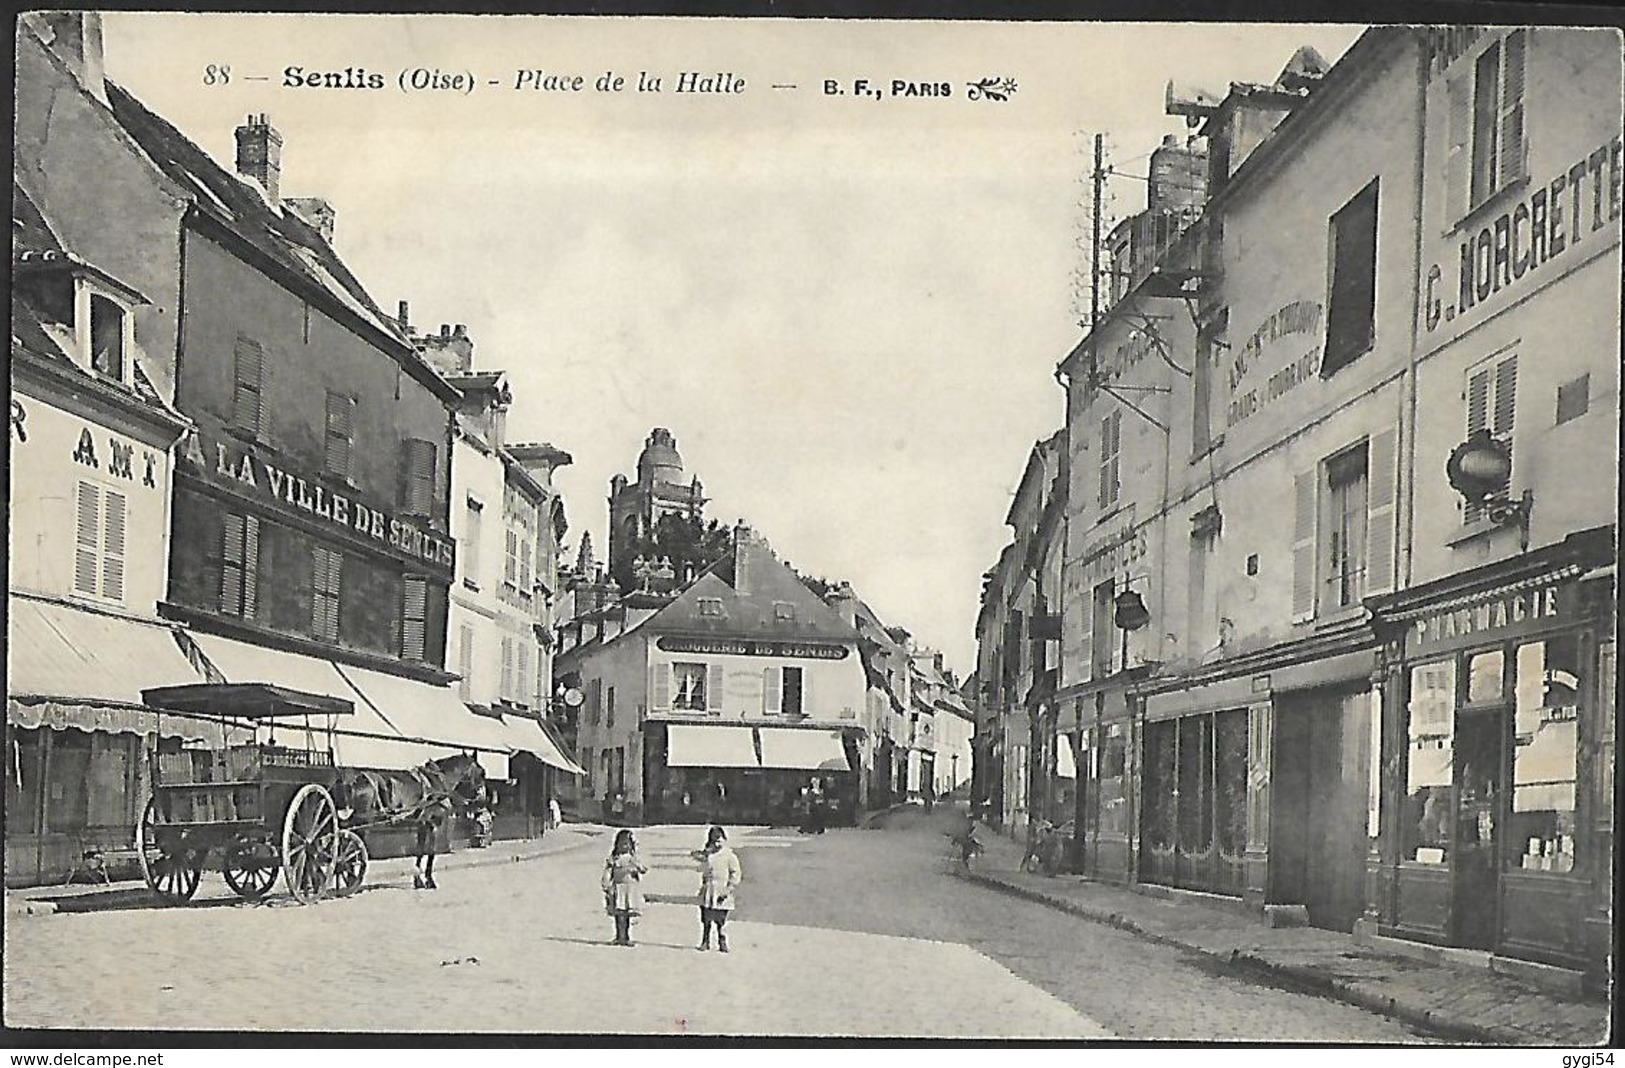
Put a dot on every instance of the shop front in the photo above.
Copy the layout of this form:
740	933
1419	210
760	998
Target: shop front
1498	813
1102	809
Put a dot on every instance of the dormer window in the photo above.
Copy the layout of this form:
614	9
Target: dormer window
784	611
711	606
105	331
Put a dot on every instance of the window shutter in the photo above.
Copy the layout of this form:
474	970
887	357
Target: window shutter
113	546
414	613
524	567
1512	83
772	693
507	668
713	688
1478	402
522	681
340	431
1303	547
1506	397
231	568
1458	91
807	706
465	662
251	565
660	687
1382	478
510	566
88	540
417	475
247	406
1086	643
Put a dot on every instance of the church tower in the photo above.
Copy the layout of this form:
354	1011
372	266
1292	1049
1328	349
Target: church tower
661	488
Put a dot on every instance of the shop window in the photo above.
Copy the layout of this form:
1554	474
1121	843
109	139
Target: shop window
247	401
1485	677
1343	532
1113	807
1158	789
1546	725
1195	784
1351	304
1230	780
67	791
1429	732
689	683
98	558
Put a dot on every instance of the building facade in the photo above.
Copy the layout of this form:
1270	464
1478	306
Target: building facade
720	701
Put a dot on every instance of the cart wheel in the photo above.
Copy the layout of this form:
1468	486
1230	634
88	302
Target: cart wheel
310	843
351	867
250	868
173	876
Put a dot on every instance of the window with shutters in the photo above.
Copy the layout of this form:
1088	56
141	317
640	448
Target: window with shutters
465	662
414	617
328	565
418	460
98	554
1111	429
510	560
1351	304
247	404
1485	121
239	568
1343	532
792	703
688	682
340	439
522	681
1492	401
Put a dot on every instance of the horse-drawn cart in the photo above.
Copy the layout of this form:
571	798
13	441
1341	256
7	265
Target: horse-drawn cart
249	810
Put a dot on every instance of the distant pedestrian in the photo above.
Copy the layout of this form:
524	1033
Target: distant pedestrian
555	818
623	896
720	874
617	807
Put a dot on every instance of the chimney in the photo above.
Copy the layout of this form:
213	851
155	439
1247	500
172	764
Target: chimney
449	352
404	318
76	38
259	153
745	550
315	211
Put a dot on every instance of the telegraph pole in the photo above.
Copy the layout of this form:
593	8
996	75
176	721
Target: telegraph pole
1099	183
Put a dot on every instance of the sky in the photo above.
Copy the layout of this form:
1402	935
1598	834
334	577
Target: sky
847	308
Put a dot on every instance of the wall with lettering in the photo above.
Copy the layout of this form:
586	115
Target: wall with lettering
834	688
1531	274
307	354
1484	253
52	451
1268	379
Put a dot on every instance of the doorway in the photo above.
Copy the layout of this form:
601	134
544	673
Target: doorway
1480	796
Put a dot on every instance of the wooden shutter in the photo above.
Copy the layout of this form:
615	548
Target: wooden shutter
113	546
660	687
251	565
1382	468
1303	546
1478	401
807	706
1512	85
1506	397
772	691
340	433
247	398
1458	92
231	567
507	668
713	688
88	540
1086	638
522	683
418	459
414	616
524	566
465	661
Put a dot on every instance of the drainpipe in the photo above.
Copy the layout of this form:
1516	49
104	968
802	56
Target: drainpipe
1407	425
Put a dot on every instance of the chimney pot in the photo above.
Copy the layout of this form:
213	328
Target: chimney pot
259	153
405	316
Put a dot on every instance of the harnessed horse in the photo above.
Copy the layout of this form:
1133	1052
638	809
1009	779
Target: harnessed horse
426	796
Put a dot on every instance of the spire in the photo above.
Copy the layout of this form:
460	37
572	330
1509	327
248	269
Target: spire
584	556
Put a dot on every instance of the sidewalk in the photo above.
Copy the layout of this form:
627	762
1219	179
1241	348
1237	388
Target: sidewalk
89	897
1456	1002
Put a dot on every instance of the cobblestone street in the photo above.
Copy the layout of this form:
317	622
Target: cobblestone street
856	932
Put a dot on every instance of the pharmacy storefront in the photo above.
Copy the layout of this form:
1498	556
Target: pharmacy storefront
1496	803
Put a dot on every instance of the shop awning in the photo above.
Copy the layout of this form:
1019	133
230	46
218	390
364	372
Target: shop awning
70	667
690	745
363	739
541	741
433	716
807	750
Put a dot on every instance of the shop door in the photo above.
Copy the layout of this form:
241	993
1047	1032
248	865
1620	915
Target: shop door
1480	797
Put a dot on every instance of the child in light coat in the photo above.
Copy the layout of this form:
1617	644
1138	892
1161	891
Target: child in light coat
720	874
623	896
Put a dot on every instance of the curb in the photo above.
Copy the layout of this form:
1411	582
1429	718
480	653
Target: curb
1300	976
